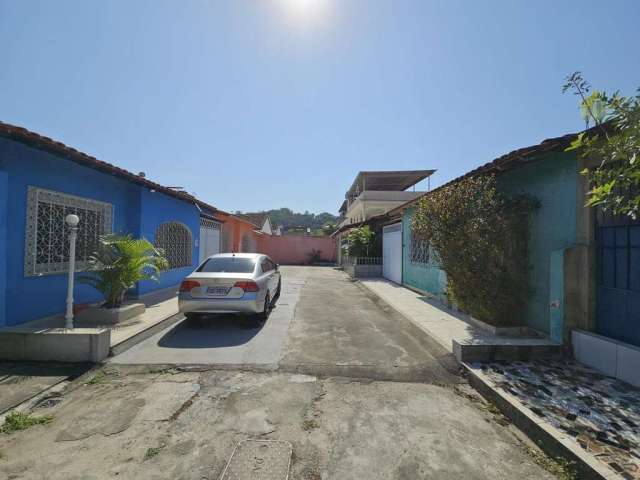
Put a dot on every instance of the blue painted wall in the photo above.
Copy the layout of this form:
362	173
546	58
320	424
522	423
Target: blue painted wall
136	211
157	208
3	242
426	277
553	181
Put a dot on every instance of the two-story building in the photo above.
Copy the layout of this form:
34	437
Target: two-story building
374	193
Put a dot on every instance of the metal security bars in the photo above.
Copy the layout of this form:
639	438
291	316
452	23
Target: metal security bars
47	235
176	241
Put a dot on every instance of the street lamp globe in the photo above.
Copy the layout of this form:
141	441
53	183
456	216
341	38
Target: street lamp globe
72	220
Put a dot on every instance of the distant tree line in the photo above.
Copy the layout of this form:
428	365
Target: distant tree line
319	223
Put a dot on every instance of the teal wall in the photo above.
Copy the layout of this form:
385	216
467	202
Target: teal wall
429	278
552	179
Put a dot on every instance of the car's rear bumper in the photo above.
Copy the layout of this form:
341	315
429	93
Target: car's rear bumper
248	303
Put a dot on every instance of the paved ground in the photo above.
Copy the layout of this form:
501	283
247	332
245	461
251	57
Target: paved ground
359	392
225	340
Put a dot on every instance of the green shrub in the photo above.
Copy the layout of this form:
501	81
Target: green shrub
479	237
119	262
360	242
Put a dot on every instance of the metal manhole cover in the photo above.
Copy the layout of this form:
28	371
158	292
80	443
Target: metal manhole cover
259	460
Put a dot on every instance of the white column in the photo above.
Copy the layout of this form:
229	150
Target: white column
72	221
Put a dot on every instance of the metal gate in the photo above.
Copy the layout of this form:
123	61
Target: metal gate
618	277
209	238
392	253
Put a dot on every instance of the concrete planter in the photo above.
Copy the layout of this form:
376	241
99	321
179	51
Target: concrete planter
109	316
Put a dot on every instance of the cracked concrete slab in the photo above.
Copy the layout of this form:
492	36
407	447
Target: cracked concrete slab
374	430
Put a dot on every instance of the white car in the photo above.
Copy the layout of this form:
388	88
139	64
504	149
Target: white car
247	283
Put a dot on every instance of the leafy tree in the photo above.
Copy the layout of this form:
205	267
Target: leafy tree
614	141
292	221
119	262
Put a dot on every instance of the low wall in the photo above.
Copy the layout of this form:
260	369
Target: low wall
54	344
296	249
611	357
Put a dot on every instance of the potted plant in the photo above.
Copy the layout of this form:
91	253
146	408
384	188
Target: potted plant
119	262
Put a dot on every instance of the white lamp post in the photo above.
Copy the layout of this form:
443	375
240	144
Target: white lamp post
71	220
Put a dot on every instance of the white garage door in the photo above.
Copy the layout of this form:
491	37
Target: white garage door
392	252
209	238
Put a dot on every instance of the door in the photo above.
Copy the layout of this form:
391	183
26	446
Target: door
209	238
392	252
618	278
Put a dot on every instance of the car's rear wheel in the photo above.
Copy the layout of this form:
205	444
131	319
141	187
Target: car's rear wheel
277	295
266	309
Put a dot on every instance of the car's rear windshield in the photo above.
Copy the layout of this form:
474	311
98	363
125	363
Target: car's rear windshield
228	265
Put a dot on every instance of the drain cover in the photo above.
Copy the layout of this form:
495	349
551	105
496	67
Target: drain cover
259	460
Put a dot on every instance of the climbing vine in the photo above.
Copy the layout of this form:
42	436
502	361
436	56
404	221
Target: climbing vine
479	236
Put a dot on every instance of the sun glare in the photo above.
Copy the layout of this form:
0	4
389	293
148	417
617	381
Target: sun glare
305	11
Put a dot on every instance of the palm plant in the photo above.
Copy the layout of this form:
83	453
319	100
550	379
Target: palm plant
118	263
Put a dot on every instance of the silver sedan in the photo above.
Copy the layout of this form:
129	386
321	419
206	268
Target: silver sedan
231	283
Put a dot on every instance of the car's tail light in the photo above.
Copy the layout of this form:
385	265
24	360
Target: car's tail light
187	285
247	286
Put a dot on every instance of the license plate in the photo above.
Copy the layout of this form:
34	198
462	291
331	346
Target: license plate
217	290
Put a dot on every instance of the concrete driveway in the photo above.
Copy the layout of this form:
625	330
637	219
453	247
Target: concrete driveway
355	389
323	323
225	340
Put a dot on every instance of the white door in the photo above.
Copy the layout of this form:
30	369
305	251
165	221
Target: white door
392	252
209	238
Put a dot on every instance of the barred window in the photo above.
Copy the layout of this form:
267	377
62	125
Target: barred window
209	224
47	234
175	240
419	251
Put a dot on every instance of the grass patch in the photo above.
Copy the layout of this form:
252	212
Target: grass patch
561	468
309	425
16	421
98	378
152	452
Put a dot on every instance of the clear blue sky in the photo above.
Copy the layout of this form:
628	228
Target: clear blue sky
257	104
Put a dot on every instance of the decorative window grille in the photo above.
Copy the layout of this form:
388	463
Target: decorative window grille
175	240
419	250
47	234
210	224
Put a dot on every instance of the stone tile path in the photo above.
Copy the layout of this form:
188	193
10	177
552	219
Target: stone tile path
600	413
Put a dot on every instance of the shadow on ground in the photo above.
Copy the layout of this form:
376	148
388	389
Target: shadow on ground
211	332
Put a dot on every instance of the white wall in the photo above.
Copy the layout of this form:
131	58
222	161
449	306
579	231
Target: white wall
613	358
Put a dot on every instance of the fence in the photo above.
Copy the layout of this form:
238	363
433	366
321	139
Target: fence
363	267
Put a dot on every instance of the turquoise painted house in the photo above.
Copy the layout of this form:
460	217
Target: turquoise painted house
585	266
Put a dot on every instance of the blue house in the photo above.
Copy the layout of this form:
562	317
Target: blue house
42	181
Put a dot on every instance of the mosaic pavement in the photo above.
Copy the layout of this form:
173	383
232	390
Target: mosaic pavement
601	413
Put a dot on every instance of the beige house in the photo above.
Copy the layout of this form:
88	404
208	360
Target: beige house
375	193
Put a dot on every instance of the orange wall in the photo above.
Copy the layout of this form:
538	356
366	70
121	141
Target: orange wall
295	249
234	230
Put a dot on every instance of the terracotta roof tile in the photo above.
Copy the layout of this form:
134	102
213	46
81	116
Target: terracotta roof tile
41	142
